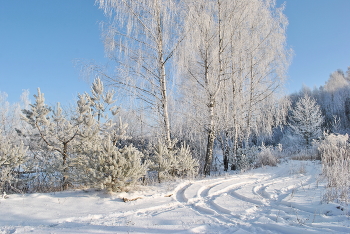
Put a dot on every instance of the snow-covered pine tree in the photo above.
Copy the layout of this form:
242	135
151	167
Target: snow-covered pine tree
163	161
114	169
101	163
306	119
187	165
57	133
173	162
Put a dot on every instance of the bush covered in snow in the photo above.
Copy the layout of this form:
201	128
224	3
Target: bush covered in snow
246	157
174	162
12	156
268	156
114	169
257	156
335	154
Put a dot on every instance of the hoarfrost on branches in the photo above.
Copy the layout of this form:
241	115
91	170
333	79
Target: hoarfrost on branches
306	119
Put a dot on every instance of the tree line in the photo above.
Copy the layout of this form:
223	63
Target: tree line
200	71
191	87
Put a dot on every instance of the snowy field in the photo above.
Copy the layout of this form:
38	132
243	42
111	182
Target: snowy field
283	199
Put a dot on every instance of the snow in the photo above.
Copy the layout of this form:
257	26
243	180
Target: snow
282	199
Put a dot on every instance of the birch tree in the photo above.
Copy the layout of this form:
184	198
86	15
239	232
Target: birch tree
141	38
202	62
235	59
259	59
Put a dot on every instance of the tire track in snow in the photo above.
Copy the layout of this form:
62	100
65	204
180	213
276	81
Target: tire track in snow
267	196
203	202
293	209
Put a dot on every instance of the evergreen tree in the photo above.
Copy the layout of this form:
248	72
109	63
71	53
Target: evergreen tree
173	162
57	132
84	144
306	119
114	169
101	163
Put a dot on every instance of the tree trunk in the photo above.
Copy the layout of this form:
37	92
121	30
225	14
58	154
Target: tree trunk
211	139
162	79
226	151
166	122
64	157
209	153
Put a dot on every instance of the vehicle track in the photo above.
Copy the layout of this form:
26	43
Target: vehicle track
264	197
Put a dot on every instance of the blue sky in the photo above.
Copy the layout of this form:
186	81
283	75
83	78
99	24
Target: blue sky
40	41
319	34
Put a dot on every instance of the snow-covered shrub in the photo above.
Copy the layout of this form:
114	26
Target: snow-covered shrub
187	166
114	169
335	155
267	156
257	156
170	163
246	157
291	142
11	157
306	153
294	147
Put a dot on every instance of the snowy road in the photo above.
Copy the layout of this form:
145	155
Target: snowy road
283	199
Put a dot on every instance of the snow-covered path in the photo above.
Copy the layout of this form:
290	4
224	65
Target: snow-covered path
283	199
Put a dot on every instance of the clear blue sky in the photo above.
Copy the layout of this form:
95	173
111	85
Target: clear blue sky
41	39
319	34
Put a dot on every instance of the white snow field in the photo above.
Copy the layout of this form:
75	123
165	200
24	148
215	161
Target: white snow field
282	199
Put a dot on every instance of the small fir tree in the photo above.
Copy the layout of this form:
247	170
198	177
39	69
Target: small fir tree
114	169
173	162
57	132
306	119
102	163
84	143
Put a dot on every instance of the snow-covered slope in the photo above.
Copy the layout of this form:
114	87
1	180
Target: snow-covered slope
283	199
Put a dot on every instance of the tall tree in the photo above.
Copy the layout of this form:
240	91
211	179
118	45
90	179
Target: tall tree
235	59
203	63
261	63
142	37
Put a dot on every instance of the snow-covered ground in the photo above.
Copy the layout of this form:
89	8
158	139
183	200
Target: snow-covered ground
283	199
